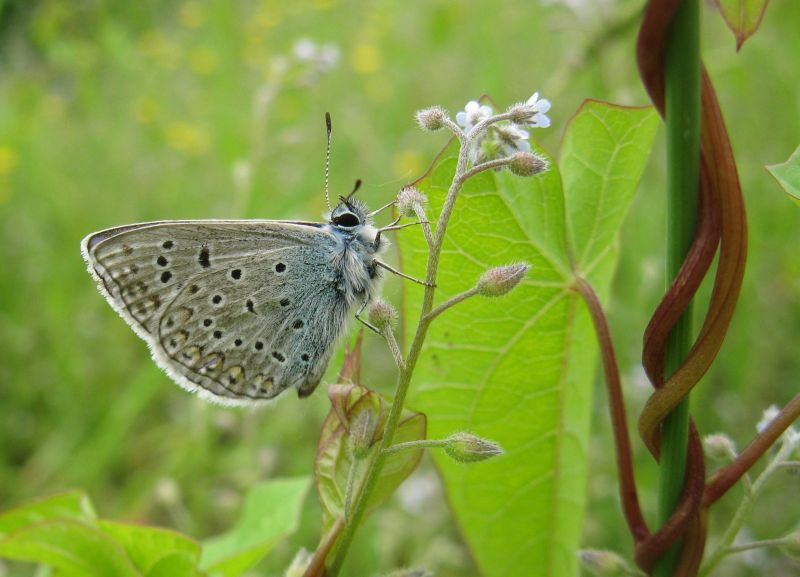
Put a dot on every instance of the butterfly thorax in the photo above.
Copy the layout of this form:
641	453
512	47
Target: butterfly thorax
357	244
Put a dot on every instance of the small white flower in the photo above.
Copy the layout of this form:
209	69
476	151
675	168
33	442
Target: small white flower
768	416
538	109
513	139
305	49
473	113
329	56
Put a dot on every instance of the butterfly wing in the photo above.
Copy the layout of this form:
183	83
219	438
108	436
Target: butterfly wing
237	311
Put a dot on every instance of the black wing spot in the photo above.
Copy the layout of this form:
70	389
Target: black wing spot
259	345
237	342
304	356
162	261
168	244
278	356
193	289
217	334
216	299
207	322
236	274
165	276
280	267
203	258
298	324
284	302
250	307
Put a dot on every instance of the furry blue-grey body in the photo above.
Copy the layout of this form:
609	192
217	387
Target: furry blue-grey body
239	311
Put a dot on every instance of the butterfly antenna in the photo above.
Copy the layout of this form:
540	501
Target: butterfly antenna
356	186
328	159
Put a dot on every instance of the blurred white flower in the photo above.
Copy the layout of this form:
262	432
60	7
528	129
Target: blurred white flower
513	139
473	113
305	49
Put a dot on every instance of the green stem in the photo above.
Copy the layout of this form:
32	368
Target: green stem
682	85
745	505
422	444
405	372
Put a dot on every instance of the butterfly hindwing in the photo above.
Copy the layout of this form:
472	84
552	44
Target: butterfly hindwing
240	310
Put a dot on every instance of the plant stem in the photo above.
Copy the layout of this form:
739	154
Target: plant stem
404	375
682	84
423	444
746	504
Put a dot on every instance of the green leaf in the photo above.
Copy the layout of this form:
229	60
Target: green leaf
788	175
73	548
175	565
334	459
271	512
743	17
146	546
68	505
518	369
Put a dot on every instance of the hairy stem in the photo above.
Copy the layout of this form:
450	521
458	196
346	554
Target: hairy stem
405	373
423	444
682	84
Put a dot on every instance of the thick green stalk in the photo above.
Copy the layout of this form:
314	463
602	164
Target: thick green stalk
682	84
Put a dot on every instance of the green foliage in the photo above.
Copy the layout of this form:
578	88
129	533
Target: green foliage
743	17
63	532
335	459
788	175
271	512
518	369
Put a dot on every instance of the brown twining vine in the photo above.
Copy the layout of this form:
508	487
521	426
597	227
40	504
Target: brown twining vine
721	228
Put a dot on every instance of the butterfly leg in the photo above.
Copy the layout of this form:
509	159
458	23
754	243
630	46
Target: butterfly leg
367	324
402	274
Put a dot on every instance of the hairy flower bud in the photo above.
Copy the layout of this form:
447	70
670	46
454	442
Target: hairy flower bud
431	118
498	281
604	563
382	314
527	164
469	448
719	447
362	433
410	200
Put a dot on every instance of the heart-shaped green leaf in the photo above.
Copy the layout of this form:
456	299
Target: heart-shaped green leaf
518	369
788	175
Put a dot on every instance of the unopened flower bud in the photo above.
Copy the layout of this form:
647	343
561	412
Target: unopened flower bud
431	118
520	112
498	281
382	314
362	432
719	447
604	563
410	200
469	448
527	164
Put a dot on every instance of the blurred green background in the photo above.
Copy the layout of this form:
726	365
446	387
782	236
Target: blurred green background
118	112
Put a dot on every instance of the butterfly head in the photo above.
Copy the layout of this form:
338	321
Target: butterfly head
349	215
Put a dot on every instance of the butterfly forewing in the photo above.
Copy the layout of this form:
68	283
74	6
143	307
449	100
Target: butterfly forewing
240	310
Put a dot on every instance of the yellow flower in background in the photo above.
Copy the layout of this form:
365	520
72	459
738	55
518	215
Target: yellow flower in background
203	60
408	164
365	58
155	45
188	138
9	160
146	109
192	14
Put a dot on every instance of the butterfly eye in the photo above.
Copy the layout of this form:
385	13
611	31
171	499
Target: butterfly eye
346	220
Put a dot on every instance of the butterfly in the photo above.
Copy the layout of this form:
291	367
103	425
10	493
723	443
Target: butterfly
240	310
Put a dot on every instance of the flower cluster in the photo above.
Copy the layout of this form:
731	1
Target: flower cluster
504	138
